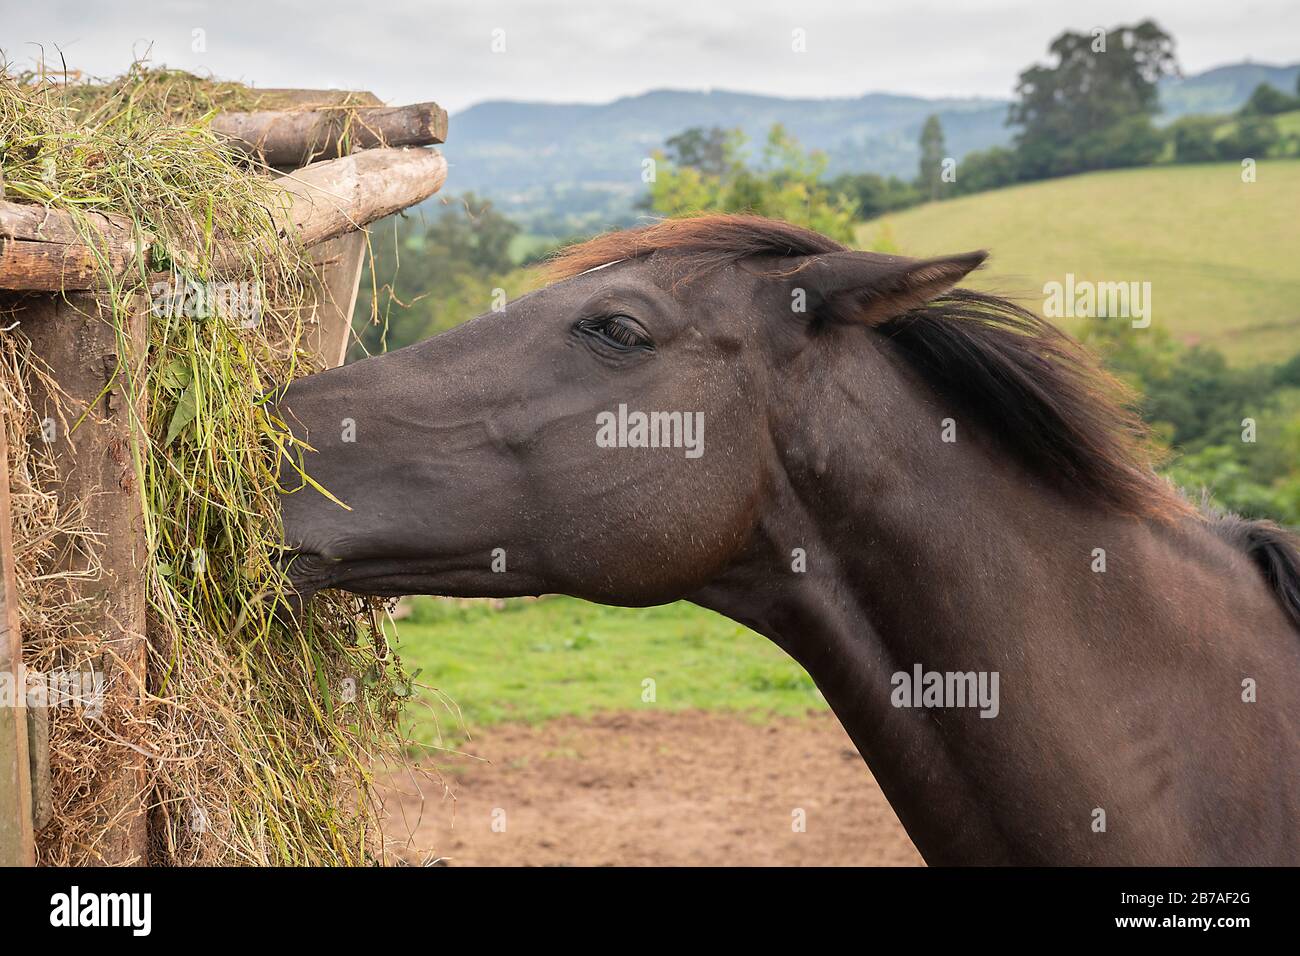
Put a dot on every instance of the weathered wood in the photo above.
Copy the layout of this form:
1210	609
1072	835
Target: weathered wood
38	748
299	137
42	250
17	844
338	264
339	195
45	249
76	339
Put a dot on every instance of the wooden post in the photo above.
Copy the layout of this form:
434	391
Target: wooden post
76	338
17	844
337	264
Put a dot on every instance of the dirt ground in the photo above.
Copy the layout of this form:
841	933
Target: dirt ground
651	789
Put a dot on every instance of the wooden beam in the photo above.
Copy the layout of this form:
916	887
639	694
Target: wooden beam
299	137
76	339
44	249
338	196
17	842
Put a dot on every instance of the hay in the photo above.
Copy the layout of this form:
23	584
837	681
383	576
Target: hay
256	736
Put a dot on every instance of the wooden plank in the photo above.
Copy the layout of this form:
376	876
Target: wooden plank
338	264
17	842
320	202
77	340
301	136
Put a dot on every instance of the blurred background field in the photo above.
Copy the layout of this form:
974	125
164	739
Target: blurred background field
529	661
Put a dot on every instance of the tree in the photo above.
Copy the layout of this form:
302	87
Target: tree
930	177
1195	401
1193	139
786	183
710	151
987	169
1268	101
1133	141
1252	136
1096	83
872	195
430	276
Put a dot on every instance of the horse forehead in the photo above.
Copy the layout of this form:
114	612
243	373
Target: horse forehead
677	276
640	271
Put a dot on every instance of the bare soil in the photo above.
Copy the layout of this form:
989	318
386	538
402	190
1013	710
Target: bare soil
650	788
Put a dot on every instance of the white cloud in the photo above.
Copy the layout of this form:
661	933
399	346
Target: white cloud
597	50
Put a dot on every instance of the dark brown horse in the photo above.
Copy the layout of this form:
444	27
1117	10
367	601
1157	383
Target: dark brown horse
929	497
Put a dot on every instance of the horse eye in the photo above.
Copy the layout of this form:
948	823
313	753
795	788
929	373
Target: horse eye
619	331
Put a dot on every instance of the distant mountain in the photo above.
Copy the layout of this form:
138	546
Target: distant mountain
1222	89
551	164
586	160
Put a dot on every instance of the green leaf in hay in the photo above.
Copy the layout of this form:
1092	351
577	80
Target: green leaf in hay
160	260
176	376
186	410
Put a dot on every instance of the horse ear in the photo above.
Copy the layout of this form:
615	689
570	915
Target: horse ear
869	287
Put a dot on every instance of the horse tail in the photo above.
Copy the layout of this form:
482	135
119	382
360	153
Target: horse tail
1274	550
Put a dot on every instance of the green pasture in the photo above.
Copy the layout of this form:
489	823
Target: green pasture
1222	255
534	660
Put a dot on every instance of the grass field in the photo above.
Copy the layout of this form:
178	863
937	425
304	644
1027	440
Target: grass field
1288	124
535	660
1222	256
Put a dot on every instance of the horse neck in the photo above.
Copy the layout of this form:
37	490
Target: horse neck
948	555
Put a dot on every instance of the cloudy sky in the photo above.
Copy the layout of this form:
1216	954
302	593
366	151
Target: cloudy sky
597	50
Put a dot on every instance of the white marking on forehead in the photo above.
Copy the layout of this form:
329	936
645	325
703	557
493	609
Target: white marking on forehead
598	268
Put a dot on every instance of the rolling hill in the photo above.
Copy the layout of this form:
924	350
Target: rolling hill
1222	256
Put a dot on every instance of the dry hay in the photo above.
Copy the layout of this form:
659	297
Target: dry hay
256	737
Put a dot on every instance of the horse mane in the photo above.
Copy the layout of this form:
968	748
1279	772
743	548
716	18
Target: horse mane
711	241
1272	549
1034	388
1040	393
